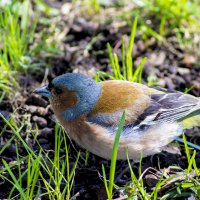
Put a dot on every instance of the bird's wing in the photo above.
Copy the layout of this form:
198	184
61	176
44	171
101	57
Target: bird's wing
162	107
169	107
119	96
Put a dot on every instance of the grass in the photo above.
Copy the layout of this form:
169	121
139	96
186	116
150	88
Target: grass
183	182
173	13
19	44
177	19
109	185
125	70
43	175
7	79
16	34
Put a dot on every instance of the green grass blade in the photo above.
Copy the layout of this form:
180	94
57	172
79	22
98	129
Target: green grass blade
15	182
114	154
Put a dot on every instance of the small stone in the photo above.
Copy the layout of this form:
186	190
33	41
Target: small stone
191	198
189	59
196	84
36	100
172	69
46	131
40	121
66	8
187	77
6	115
43	141
161	82
183	71
156	59
140	46
37	110
151	180
179	81
46	146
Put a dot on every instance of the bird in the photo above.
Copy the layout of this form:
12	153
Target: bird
90	112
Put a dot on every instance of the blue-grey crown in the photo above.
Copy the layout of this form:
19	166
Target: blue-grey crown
86	89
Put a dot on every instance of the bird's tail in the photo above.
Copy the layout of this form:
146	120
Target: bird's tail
192	119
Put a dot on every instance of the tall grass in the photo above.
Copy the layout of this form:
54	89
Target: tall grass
17	29
172	13
8	83
125	70
19	42
37	175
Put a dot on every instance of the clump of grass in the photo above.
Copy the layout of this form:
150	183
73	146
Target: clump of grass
61	172
8	82
42	176
172	13
176	182
125	70
162	19
19	42
16	34
88	7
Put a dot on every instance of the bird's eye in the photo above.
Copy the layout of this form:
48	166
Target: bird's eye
58	91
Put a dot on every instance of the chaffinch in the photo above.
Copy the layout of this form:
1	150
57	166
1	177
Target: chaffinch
90	113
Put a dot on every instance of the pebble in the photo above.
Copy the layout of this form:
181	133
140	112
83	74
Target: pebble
5	114
183	71
140	46
196	84
40	121
151	180
36	110
172	69
156	59
161	82
189	59
179	81
45	132
187	77
37	101
191	198
66	8
43	141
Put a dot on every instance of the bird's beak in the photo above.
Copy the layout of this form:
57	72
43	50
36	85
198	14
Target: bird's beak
43	91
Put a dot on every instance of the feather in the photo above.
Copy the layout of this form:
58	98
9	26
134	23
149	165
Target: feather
163	107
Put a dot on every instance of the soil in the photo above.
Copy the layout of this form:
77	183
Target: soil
174	70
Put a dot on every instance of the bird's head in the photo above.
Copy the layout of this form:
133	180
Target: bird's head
71	95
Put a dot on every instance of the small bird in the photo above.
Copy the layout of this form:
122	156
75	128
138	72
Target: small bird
90	113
